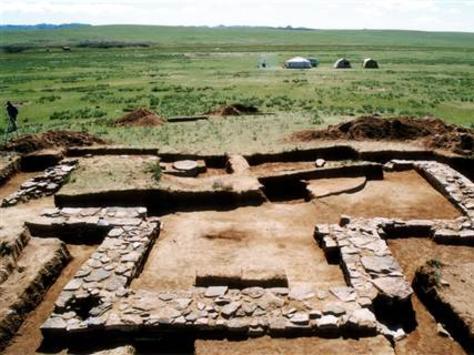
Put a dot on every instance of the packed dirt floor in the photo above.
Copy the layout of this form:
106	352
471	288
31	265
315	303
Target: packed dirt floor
261	238
279	233
370	346
376	346
403	195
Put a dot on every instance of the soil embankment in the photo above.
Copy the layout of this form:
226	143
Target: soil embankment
51	139
236	109
432	132
140	118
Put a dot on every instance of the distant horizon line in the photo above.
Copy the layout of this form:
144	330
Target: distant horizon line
288	27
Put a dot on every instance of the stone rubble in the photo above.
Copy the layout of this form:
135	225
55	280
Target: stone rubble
367	263
459	231
195	309
237	164
98	297
110	269
107	218
366	260
45	184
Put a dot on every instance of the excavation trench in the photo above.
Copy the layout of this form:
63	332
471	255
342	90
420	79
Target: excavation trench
279	187
426	284
160	202
29	338
268	228
71	233
413	251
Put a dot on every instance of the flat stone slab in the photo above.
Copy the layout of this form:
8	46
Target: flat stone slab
366	259
185	165
380	264
185	168
328	187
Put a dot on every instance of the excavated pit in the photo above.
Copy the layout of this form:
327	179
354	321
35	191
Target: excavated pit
414	251
258	235
271	237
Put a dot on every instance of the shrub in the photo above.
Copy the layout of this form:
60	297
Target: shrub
155	169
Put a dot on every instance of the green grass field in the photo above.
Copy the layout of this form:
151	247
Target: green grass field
185	71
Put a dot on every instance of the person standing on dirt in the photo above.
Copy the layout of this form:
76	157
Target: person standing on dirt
12	115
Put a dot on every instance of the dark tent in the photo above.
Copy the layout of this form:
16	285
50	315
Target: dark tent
342	63
370	63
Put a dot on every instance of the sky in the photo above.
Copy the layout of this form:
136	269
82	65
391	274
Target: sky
428	15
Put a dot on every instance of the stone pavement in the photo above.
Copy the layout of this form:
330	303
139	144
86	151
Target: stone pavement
98	297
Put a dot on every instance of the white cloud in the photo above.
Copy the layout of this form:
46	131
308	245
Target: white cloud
404	14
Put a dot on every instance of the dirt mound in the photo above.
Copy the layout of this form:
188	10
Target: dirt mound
432	132
33	142
141	118
233	110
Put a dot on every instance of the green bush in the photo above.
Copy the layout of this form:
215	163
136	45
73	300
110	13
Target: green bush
155	169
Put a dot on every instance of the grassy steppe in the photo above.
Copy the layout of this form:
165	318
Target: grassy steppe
191	70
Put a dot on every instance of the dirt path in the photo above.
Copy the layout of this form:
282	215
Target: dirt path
29	338
412	253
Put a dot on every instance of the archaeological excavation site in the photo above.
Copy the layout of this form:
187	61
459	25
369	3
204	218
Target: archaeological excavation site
338	248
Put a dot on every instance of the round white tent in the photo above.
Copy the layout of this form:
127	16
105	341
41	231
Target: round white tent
298	63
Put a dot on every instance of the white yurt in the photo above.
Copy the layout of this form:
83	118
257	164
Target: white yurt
298	63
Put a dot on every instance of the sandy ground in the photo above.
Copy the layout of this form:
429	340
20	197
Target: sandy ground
266	345
412	253
403	195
